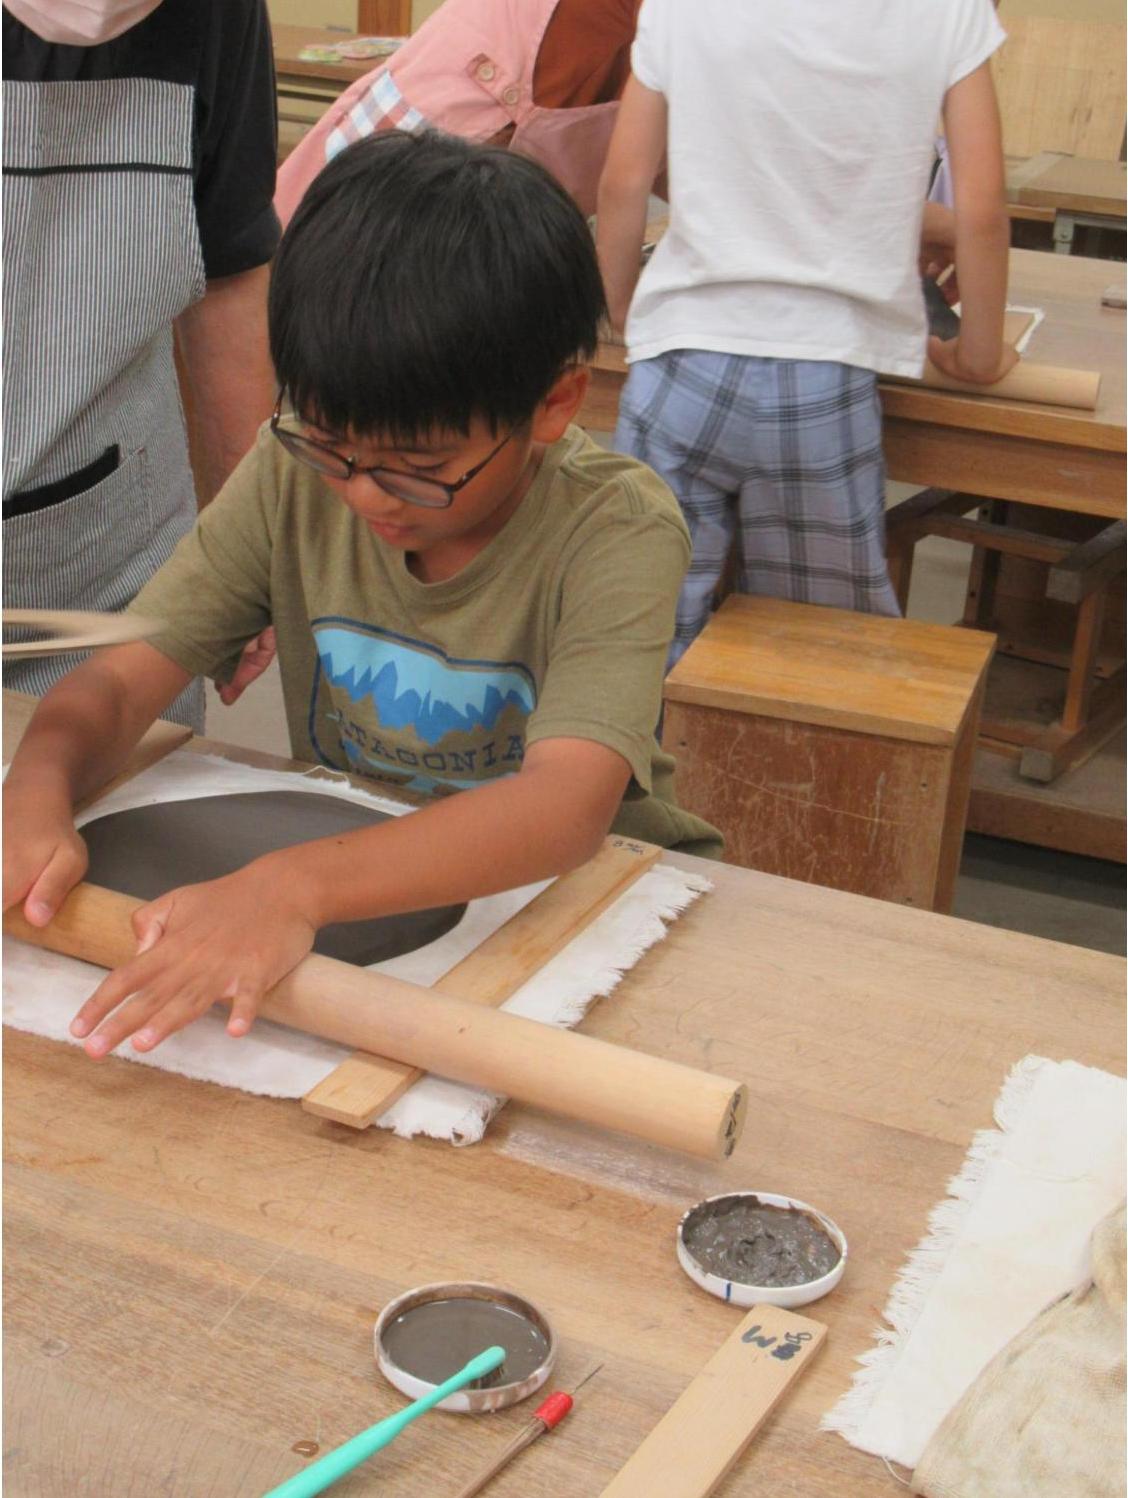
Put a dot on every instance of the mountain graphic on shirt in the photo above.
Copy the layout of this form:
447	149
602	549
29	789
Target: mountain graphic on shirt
411	686
406	710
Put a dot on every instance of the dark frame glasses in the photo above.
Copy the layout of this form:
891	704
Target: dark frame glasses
429	494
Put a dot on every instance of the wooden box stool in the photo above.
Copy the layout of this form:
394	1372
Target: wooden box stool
829	746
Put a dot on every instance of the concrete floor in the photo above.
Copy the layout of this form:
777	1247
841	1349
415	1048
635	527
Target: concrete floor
1034	890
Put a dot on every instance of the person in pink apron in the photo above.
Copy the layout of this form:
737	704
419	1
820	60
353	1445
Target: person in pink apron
542	77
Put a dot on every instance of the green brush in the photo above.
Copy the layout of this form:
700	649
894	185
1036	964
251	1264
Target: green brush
335	1464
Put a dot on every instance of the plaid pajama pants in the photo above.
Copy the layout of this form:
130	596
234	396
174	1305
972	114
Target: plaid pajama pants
788	450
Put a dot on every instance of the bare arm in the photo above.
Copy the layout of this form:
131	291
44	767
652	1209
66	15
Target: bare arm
633	161
80	736
222	342
975	149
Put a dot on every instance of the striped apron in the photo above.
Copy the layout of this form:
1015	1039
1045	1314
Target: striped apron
101	253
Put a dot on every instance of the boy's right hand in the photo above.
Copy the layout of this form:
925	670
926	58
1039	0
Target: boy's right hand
950	360
44	857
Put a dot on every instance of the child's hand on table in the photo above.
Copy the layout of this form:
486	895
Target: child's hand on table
946	356
232	938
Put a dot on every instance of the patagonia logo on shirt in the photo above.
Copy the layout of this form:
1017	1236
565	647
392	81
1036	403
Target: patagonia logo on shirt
401	710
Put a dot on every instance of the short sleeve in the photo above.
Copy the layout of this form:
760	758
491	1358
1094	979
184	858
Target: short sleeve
213	593
978	36
649	51
238	139
608	654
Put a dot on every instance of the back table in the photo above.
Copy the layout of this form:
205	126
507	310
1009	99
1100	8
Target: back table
1045	455
192	1274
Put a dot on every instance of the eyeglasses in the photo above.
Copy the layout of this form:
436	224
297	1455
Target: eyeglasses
430	494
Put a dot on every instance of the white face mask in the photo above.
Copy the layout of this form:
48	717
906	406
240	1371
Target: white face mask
80	23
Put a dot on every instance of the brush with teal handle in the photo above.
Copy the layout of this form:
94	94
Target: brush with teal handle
335	1464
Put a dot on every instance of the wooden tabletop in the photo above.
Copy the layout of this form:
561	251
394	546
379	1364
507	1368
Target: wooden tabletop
192	1274
290	41
1068	184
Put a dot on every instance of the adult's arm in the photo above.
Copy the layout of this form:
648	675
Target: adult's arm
226	373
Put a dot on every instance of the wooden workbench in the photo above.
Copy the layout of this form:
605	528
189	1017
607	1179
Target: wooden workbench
192	1274
1045	455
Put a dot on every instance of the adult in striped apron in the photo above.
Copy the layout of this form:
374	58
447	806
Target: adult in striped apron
135	170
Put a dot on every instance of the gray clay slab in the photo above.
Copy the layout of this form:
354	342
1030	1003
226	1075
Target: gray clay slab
149	850
943	320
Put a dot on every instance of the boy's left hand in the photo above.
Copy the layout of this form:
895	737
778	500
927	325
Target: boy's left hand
232	938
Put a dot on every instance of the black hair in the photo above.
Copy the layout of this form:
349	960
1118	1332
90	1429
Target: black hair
424	281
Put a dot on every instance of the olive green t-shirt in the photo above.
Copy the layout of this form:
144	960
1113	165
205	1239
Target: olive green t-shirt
558	628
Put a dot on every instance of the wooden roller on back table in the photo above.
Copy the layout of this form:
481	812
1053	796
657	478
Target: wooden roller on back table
557	1070
1043	384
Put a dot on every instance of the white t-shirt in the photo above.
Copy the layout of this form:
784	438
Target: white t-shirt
800	143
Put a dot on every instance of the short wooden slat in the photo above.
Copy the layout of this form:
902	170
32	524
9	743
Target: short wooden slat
699	1440
363	1087
1008	539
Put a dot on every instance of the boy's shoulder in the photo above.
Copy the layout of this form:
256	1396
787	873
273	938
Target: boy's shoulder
590	483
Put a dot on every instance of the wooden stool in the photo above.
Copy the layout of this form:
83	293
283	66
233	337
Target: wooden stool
829	746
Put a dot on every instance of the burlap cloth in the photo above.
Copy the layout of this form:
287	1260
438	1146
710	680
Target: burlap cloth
1047	1414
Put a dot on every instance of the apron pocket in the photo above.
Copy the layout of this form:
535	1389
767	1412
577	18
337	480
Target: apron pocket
89	552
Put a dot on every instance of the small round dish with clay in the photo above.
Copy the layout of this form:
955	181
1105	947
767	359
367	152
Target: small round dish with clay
427	1334
757	1248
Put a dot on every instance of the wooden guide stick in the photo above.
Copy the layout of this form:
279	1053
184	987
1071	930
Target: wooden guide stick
699	1439
558	1070
363	1087
1044	384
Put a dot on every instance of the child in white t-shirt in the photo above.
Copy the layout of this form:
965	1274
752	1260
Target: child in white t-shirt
799	141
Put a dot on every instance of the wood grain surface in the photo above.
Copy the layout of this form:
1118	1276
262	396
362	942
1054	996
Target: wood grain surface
192	1274
807	664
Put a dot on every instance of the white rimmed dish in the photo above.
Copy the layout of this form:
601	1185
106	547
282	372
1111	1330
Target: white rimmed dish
741	1293
469	1401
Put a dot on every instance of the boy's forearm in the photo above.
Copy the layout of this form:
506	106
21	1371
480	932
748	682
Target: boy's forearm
82	732
78	738
476	843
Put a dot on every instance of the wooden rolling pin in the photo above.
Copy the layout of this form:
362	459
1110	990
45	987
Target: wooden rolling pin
558	1070
1044	384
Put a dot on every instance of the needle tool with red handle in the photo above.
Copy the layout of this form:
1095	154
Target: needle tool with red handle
547	1416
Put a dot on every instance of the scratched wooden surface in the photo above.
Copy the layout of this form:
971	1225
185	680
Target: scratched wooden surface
192	1275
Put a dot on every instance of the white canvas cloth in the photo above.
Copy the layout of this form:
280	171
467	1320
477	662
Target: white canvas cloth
42	990
1012	1237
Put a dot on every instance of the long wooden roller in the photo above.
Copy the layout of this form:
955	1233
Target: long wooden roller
1043	384
558	1070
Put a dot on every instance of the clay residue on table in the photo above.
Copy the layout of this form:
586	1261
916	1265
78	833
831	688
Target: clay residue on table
743	1239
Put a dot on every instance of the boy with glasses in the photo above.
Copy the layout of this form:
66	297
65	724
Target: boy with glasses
469	595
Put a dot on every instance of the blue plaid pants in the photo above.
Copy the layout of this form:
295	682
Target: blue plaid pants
788	450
